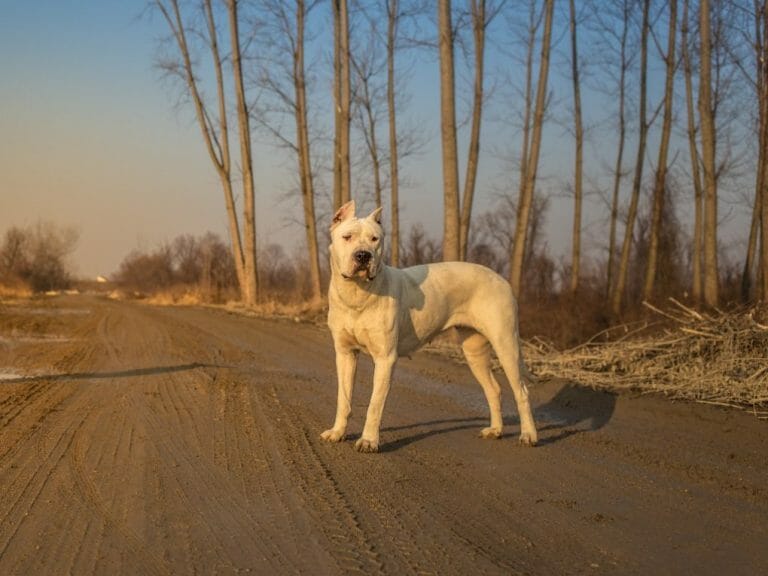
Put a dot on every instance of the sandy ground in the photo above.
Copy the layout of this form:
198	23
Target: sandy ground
142	440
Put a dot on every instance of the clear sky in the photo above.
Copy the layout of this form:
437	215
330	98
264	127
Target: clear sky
90	137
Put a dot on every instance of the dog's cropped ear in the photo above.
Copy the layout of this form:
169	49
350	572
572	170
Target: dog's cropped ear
376	215
344	213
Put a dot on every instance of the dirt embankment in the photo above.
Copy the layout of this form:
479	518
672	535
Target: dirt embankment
141	440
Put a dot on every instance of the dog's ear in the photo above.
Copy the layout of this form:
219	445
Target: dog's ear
344	213
376	215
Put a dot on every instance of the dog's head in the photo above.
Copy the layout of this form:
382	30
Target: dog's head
356	243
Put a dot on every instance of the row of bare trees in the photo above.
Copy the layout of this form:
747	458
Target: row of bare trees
618	51
203	262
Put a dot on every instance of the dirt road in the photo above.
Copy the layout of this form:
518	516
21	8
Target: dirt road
142	440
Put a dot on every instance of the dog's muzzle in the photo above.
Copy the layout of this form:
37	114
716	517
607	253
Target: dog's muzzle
363	265
362	258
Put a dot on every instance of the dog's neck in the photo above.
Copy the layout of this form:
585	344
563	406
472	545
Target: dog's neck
354	293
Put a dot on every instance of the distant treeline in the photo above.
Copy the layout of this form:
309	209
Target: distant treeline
36	256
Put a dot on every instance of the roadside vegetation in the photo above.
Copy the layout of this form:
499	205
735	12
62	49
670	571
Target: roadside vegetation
36	258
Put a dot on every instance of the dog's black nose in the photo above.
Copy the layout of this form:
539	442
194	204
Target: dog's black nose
362	257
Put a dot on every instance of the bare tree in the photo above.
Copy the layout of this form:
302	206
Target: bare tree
342	96
708	142
758	84
305	162
625	59
579	152
419	248
660	184
762	187
367	66
38	255
393	19
282	78
696	284
530	158
758	81
480	22
215	131
623	271
448	132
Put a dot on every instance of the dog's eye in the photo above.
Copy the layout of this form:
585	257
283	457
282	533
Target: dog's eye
347	237
374	238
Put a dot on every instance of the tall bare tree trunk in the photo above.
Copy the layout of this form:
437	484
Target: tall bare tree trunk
224	167
696	284
305	163
660	184
448	131
337	118
473	156
752	240
342	95
346	108
394	178
760	91
579	153
623	272
762	192
216	139
533	26
764	216
246	160
708	139
618	171
528	184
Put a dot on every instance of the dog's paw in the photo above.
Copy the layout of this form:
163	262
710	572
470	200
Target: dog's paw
366	446
332	435
528	439
490	433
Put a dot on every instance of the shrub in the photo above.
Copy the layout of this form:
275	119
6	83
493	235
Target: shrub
38	256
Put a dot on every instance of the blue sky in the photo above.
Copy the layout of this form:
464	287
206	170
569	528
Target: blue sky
90	136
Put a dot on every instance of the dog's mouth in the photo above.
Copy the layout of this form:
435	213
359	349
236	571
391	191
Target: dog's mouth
365	272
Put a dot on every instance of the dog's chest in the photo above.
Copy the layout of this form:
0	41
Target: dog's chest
373	334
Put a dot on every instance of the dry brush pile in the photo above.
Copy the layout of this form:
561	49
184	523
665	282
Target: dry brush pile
715	358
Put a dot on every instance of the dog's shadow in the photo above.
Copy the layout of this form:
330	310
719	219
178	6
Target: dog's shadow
433	428
573	409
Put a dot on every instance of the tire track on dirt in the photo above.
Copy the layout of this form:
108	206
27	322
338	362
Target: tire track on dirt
316	475
293	452
187	403
203	492
159	407
410	535
294	461
141	554
194	435
38	473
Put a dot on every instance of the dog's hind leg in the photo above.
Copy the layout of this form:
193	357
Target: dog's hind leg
477	351
506	343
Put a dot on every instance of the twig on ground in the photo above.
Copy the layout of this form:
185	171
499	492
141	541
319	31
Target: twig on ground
719	359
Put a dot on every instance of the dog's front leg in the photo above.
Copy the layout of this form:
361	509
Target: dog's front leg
382	375
346	365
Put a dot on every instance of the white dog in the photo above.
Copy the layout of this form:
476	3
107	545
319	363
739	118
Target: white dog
387	313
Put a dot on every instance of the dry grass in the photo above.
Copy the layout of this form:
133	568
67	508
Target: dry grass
716	358
176	297
298	311
15	290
